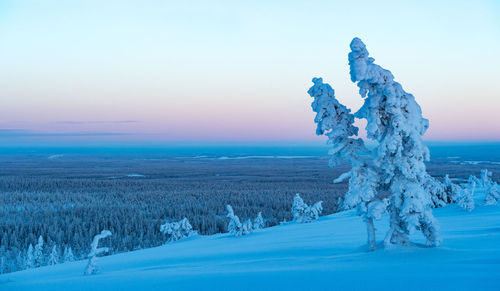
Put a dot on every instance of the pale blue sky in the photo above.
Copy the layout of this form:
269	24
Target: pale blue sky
235	70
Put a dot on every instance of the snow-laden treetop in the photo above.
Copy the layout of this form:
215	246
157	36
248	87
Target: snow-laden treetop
394	118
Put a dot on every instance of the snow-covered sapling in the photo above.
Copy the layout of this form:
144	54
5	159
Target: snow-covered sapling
393	174
258	222
303	213
491	188
95	251
53	257
68	255
38	253
177	230
452	190
29	258
236	228
465	199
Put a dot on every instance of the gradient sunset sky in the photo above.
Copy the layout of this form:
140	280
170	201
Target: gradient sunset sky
138	72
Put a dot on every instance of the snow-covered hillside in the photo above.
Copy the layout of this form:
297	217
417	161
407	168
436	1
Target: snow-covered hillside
328	254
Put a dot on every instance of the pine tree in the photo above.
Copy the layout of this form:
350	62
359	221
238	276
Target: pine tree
53	258
392	175
303	213
3	264
491	188
235	227
466	200
68	255
177	230
95	251
258	223
29	258
38	254
20	262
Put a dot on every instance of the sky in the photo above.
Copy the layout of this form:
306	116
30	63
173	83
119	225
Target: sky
153	72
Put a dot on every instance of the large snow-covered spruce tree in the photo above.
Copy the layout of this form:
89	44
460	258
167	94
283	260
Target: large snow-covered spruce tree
392	175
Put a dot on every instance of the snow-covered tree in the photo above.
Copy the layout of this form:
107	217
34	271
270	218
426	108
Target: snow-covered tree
3	265
484	179
393	174
303	213
465	199
236	228
491	188
177	230
54	256
38	253
258	222
95	251
68	255
29	261
492	195
452	190
20	261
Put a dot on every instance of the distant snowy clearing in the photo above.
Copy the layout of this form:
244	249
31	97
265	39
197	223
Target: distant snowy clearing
328	254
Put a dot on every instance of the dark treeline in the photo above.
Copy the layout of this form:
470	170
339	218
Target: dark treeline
67	200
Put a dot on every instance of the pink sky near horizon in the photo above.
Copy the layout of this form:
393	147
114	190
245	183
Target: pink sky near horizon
167	71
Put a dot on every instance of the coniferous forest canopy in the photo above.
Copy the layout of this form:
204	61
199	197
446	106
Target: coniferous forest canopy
68	198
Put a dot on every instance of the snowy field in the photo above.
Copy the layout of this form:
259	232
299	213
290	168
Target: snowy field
328	254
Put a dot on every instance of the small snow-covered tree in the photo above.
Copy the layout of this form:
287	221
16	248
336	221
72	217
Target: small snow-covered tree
29	258
177	230
95	251
20	262
465	199
395	169
452	190
491	188
235	227
303	213
53	258
258	222
484	180
492	195
68	255
38	253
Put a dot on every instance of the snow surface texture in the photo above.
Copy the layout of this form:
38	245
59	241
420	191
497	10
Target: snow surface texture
327	254
393	175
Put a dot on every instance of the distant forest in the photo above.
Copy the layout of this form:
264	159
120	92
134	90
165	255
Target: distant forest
68	199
